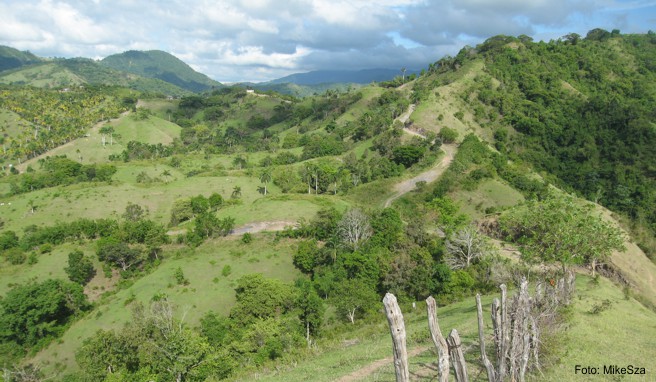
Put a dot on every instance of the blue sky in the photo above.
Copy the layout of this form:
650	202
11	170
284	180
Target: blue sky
259	40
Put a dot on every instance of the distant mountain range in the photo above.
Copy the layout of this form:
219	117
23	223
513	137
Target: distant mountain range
161	72
364	76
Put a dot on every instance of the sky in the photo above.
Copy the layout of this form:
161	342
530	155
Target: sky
260	40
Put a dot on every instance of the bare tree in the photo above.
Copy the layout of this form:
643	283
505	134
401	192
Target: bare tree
465	247
354	228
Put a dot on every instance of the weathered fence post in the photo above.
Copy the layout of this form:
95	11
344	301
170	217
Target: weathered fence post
438	340
397	329
457	358
491	375
504	332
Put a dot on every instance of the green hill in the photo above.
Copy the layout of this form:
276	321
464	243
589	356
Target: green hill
160	65
11	58
62	73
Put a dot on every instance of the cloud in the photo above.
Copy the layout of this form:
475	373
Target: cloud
233	40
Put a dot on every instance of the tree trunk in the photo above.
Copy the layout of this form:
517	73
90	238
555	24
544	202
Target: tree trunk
397	329
438	340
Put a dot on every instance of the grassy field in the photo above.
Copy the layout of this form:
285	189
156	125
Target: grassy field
208	290
90	200
589	339
490	193
46	75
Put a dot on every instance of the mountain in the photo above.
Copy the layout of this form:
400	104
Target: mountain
160	65
11	58
70	72
364	76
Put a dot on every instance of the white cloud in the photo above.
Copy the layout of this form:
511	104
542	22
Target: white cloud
232	40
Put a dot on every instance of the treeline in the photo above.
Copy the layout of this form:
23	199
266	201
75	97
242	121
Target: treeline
583	111
60	170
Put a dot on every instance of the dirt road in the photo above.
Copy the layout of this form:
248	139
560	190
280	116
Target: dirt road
428	176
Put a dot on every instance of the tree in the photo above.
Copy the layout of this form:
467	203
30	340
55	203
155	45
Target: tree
354	298
236	192
80	268
215	200
311	308
166	174
354	228
448	135
239	162
34	312
118	254
265	177
107	130
465	247
133	212
199	204
562	230
259	297
305	258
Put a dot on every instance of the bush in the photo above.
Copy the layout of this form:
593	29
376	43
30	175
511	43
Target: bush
448	135
15	256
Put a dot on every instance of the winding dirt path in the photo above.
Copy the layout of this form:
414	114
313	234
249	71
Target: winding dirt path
372	367
428	176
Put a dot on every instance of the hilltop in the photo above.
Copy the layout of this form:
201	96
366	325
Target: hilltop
160	65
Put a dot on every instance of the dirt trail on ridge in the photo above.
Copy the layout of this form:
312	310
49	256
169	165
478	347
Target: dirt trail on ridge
372	367
427	176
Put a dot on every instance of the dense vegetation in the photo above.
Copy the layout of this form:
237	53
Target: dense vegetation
582	110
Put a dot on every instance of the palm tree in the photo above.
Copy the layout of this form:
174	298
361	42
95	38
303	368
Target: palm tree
236	192
265	177
166	174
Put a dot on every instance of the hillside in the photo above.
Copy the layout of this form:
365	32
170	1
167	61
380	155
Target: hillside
11	58
236	234
62	73
163	66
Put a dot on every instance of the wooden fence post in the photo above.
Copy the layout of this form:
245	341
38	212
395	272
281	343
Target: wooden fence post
397	329
457	357
438	340
491	375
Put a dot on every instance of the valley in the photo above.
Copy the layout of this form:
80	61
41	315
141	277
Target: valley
225	233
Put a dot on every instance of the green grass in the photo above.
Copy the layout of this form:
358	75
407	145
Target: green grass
160	107
489	193
622	335
152	130
94	201
45	75
208	288
12	124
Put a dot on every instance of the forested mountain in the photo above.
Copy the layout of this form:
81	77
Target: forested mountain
11	58
160	65
581	110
